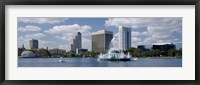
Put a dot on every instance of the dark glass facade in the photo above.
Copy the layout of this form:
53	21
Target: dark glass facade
34	44
164	47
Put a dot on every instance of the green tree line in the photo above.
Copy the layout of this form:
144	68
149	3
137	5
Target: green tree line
136	52
71	54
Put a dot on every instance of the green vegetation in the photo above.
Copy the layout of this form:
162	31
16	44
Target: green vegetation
43	53
136	52
71	54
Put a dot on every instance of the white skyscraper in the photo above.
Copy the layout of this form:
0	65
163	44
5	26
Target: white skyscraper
124	38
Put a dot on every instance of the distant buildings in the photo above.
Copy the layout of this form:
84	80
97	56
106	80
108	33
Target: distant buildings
164	47
101	40
77	42
142	47
56	51
124	38
33	44
47	48
81	50
20	50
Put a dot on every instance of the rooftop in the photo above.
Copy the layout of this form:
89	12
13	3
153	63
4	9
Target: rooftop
163	44
102	32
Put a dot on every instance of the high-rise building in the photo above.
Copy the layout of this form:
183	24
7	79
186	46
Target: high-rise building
77	42
33	44
124	38
101	40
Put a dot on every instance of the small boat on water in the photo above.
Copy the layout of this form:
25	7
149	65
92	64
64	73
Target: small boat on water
61	60
134	59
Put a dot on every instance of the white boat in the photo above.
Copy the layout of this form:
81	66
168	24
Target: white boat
134	59
62	61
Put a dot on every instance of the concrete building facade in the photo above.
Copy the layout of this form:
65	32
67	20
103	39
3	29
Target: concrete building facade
101	40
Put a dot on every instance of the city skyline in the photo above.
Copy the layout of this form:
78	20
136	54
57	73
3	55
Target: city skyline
59	32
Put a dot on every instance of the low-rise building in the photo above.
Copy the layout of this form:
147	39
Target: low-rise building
164	47
142	47
56	51
81	50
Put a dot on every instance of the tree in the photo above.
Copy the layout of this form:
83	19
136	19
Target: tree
137	52
43	53
146	53
81	54
171	52
179	53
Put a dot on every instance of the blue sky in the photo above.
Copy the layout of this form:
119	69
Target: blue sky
59	32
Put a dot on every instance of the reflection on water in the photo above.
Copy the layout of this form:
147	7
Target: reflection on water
93	62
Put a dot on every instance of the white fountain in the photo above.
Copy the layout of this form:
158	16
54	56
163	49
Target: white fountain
114	54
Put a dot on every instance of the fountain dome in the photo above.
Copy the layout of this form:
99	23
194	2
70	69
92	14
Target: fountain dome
27	54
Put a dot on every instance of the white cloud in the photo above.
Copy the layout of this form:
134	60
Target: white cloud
136	34
128	22
63	47
87	43
161	29
144	22
136	39
48	20
68	29
46	43
35	36
154	30
29	28
23	40
68	32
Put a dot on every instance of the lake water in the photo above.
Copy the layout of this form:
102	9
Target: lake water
93	62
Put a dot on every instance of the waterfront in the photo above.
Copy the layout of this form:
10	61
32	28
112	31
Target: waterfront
93	62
